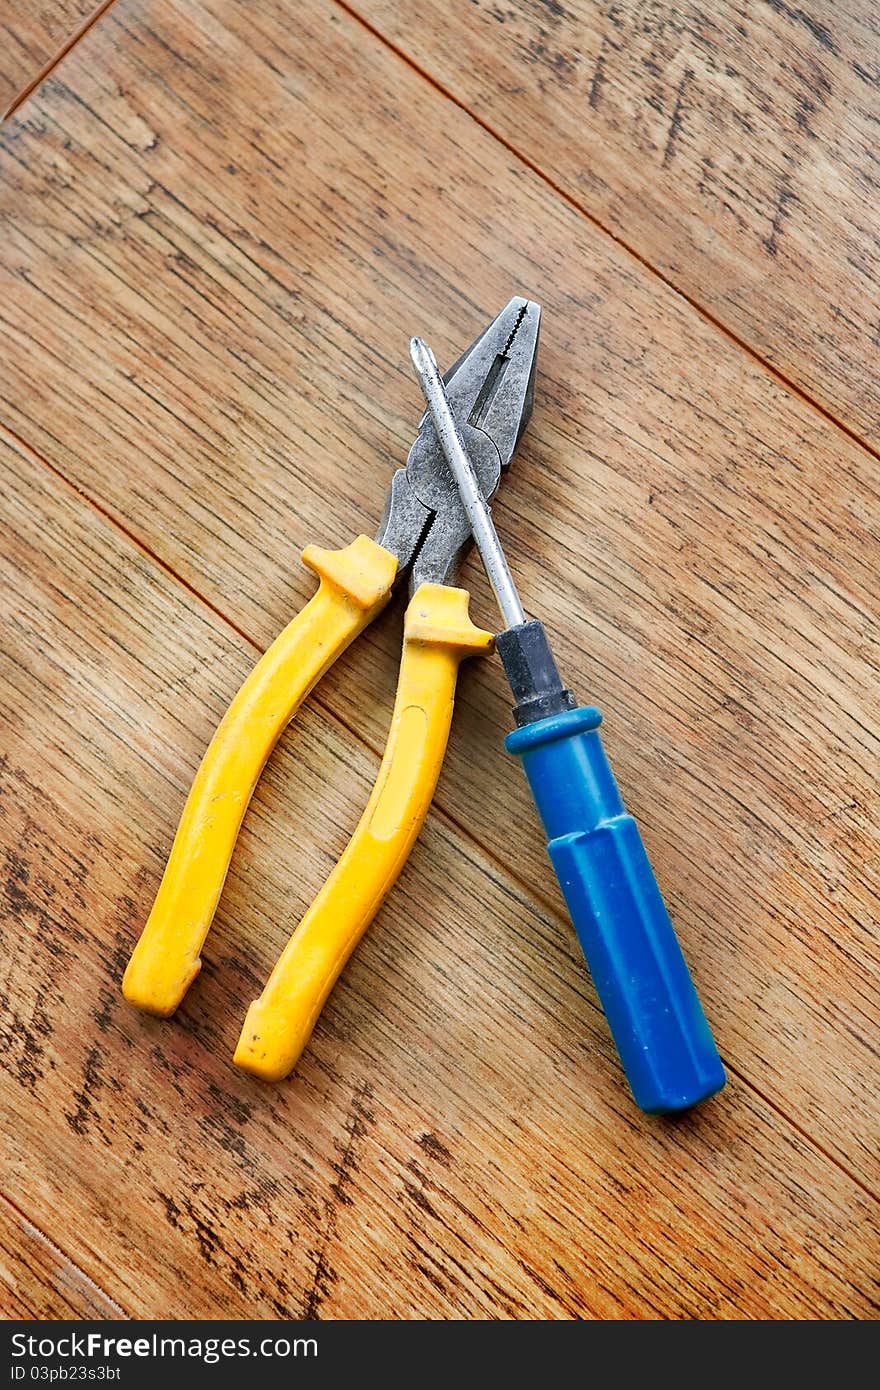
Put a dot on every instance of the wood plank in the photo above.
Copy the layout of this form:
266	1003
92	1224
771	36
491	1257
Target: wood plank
734	146
31	35
455	1142
37	1281
210	338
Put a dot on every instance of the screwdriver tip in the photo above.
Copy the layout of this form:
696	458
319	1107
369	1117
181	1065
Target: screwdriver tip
422	357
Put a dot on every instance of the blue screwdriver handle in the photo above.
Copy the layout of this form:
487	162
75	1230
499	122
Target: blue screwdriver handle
626	934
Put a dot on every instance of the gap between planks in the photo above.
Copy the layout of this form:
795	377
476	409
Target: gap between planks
529	890
59	1250
577	206
58	57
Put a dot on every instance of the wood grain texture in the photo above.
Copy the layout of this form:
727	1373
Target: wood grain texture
456	1141
734	146
38	1281
206	305
211	341
30	35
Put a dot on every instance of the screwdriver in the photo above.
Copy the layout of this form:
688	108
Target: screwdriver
653	1011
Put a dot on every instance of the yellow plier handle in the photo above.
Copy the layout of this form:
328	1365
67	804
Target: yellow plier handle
438	635
356	583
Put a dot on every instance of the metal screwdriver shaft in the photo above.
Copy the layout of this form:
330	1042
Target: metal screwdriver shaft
476	509
522	646
629	942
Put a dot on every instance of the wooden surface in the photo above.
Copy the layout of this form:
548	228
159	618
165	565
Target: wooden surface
32	36
219	231
733	147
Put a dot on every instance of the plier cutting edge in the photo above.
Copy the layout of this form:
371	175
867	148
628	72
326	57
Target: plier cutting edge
425	532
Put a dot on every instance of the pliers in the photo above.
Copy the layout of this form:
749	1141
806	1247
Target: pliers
424	531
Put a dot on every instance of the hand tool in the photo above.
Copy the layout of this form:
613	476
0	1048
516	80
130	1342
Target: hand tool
640	974
424	531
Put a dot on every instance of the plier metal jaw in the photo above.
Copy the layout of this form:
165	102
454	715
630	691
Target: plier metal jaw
491	389
424	533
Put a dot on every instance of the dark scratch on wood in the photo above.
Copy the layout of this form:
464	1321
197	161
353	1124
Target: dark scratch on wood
92	1083
677	122
417	1190
598	78
786	197
172	1210
227	1118
358	1119
206	1235
822	35
435	1149
871	78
